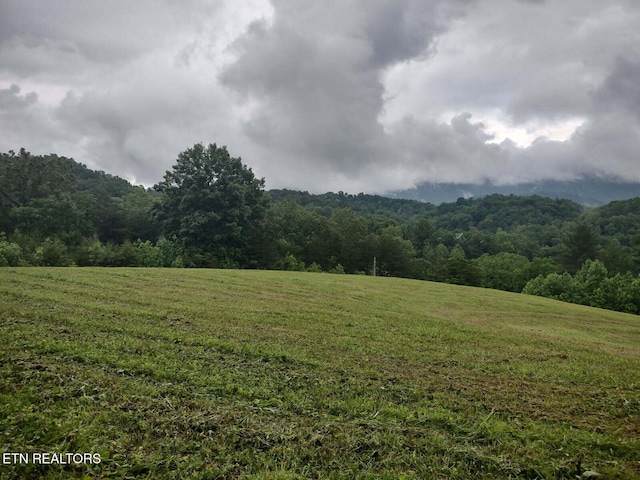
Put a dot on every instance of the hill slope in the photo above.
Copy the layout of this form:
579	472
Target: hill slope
255	374
590	192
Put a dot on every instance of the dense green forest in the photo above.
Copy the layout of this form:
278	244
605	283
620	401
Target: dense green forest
211	211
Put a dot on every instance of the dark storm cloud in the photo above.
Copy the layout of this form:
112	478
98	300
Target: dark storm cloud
121	84
608	143
402	30
450	152
89	32
11	100
314	74
354	95
317	96
536	68
621	90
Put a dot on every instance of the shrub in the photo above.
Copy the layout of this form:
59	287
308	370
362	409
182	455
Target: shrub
291	263
170	252
91	254
147	254
10	254
504	271
337	269
590	286
51	253
554	286
314	267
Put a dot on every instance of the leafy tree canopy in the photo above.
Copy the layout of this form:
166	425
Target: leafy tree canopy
212	202
24	177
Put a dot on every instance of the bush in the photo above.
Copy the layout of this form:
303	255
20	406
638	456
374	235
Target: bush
337	269
556	286
504	271
170	252
314	267
147	254
590	286
623	293
51	253
91	254
10	254
291	263
177	262
127	255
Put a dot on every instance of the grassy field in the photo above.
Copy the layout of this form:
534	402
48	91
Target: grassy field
280	375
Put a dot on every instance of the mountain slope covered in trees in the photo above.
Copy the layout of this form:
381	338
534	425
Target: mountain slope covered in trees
592	192
211	211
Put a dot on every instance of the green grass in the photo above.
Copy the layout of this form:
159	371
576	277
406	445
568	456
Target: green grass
279	375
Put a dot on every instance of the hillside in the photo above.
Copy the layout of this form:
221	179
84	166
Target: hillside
488	213
362	204
591	192
171	373
55	212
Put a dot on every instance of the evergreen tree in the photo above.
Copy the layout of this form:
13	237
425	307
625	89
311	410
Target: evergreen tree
579	245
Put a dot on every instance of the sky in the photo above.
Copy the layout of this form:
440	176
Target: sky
369	96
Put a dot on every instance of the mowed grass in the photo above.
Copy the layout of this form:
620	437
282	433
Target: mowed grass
279	375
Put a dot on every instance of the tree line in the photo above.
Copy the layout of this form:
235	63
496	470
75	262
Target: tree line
211	211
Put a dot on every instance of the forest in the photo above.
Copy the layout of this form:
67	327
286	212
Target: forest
211	211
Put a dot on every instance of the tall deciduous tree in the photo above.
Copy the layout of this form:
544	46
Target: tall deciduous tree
213	203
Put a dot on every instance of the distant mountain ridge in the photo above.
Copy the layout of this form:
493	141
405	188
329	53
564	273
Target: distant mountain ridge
591	192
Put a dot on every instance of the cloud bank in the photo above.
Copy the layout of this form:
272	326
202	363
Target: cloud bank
356	95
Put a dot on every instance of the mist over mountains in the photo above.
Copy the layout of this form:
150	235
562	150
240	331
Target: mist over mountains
590	192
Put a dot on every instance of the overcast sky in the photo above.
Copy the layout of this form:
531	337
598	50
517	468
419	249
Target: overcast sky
353	95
